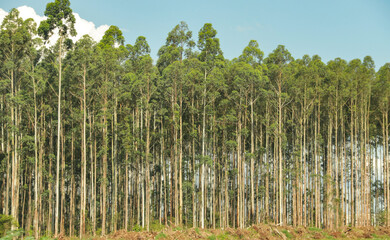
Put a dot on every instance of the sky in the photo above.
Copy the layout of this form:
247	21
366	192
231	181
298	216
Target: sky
347	29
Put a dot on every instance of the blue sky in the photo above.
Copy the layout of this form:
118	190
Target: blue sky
332	28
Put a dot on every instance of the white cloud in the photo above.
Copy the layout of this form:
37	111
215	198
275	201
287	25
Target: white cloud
82	26
2	15
29	12
85	27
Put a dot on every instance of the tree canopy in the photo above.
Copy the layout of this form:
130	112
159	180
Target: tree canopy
99	136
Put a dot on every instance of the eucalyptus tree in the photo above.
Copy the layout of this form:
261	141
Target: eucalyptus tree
60	17
180	39
144	88
173	76
192	78
242	74
330	161
338	91
110	49
211	55
296	91
178	46
194	137
34	72
354	69
253	56
16	42
47	96
80	63
127	101
216	85
365	83
382	87
73	108
317	72
277	62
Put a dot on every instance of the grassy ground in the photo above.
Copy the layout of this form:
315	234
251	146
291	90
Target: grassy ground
264	232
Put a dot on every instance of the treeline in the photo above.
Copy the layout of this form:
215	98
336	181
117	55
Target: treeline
96	137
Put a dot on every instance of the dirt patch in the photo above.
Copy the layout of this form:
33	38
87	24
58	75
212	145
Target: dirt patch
317	235
122	234
384	231
62	237
336	234
300	232
263	231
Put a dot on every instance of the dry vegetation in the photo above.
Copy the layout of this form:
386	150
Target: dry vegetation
263	232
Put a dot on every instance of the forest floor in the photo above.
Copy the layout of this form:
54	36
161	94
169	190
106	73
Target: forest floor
263	232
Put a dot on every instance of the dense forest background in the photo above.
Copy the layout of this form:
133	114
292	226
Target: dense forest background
96	136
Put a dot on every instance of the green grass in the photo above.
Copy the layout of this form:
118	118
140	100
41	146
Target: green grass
288	234
178	229
137	228
161	235
314	229
223	236
156	226
212	237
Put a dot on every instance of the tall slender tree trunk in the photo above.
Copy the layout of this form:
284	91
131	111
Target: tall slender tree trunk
114	160
126	190
56	229
240	172
252	160
280	156
84	159
73	190
36	173
147	152
352	167
267	162
194	213
104	163
93	176
14	154
62	191
202	182
181	159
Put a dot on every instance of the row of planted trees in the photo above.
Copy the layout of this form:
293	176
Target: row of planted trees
95	137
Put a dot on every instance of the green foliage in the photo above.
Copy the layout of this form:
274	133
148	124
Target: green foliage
137	228
177	228
112	36
208	44
13	234
223	236
60	16
212	237
314	229
6	222
381	218
156	226
133	100
288	234
46	238
252	54
161	235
